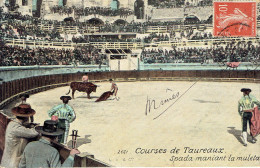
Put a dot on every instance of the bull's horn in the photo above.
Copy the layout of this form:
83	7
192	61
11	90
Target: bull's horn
98	85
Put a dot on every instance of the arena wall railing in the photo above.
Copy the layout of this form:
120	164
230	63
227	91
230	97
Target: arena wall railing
149	29
122	45
70	45
177	28
10	73
10	91
69	29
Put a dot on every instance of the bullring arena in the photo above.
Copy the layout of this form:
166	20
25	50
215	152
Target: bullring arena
179	66
202	114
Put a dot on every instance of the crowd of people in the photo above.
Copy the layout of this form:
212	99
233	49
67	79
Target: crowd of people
88	39
178	3
232	52
156	38
166	3
128	27
199	36
80	11
24	27
27	27
19	56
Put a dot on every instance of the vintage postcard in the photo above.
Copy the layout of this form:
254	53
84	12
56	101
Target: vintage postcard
129	83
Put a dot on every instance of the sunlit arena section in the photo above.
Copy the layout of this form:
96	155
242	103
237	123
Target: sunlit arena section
159	123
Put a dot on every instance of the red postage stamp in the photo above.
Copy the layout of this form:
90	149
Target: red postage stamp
234	19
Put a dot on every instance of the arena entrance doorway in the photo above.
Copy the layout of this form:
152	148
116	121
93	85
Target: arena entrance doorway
139	9
12	2
95	22
122	59
120	22
191	19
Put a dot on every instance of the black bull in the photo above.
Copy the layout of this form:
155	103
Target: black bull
87	87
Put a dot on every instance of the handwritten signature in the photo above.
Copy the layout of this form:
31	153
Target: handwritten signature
152	104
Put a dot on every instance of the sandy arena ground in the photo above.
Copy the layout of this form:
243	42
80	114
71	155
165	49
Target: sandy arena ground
204	116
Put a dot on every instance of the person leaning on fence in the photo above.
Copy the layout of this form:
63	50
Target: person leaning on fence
64	114
245	110
41	153
23	98
17	135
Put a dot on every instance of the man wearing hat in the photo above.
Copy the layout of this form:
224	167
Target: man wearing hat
17	135
245	110
23	98
41	153
65	115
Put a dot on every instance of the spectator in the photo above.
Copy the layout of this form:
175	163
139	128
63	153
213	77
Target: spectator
17	136
23	98
48	156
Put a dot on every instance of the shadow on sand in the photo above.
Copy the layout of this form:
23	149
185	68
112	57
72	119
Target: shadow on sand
236	133
80	141
204	101
86	97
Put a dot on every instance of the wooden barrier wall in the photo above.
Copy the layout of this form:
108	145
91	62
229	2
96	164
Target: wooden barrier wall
12	88
10	91
3	124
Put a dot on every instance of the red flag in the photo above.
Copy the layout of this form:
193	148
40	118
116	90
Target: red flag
255	122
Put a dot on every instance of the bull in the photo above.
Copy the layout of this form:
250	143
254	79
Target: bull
87	87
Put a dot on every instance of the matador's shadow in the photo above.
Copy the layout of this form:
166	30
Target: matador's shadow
85	97
80	141
236	133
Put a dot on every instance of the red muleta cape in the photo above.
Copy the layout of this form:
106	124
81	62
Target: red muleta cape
255	122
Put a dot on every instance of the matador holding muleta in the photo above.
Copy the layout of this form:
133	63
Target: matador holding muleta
249	113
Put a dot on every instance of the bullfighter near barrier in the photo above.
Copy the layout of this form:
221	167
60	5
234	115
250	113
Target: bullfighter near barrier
164	83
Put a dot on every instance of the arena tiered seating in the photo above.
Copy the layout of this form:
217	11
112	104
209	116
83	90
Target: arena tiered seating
231	52
19	56
58	39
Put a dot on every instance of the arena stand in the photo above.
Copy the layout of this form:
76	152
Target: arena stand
24	56
248	45
228	52
91	10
